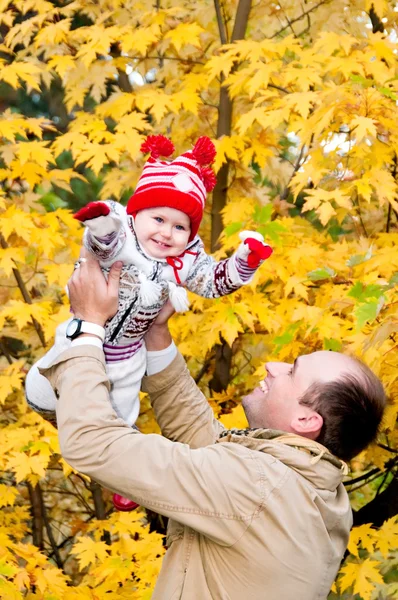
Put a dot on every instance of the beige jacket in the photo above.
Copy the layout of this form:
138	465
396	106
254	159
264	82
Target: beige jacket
260	515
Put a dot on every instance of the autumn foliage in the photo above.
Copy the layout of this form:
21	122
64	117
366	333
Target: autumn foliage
300	99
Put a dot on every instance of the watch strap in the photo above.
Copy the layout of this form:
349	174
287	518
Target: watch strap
87	327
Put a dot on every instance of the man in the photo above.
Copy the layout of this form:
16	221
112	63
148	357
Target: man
253	514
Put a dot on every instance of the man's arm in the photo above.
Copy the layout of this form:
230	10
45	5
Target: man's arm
215	490
181	410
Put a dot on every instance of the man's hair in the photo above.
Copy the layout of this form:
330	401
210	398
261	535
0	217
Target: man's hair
352	409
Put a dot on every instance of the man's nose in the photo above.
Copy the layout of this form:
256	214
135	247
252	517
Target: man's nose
278	368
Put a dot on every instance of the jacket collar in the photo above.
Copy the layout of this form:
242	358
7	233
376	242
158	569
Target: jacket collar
307	457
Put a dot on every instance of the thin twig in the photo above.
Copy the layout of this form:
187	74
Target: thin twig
302	16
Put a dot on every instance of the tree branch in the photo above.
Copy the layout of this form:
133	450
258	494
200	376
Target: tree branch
220	23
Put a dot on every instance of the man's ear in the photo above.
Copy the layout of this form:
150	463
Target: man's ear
307	422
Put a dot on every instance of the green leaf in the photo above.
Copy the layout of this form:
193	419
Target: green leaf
7	570
287	336
368	311
262	214
362	293
362	80
272	230
323	273
332	344
233	228
51	202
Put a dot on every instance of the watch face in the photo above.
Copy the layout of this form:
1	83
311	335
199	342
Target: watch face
73	328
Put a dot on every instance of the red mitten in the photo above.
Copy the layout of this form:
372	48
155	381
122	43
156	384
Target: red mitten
258	252
92	211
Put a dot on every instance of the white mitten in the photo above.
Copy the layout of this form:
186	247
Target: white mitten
99	219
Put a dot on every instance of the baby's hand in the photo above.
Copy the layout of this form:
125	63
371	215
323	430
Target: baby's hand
92	211
252	249
98	218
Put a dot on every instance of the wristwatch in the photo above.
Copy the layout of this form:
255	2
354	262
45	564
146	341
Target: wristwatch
77	326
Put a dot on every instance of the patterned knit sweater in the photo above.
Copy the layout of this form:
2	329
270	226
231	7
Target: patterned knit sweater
194	269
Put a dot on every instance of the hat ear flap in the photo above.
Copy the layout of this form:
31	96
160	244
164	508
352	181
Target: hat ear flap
204	151
157	145
208	178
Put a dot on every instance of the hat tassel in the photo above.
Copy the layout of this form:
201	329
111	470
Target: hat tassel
178	297
150	291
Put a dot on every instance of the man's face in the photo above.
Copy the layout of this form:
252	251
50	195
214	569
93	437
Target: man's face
162	231
275	403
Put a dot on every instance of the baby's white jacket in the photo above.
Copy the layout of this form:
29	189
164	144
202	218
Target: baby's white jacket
194	269
112	238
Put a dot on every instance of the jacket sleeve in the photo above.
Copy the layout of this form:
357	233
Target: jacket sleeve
212	279
181	410
216	490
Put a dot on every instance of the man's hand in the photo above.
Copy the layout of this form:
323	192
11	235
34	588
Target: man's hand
158	337
92	298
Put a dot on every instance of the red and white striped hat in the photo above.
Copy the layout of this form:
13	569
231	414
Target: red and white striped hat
181	184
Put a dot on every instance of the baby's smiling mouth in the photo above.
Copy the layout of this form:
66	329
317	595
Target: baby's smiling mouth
263	386
161	243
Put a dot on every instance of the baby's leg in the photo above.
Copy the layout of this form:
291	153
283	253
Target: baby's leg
38	391
125	366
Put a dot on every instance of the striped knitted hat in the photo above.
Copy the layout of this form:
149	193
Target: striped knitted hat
181	184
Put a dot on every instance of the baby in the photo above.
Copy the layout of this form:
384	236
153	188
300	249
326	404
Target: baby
155	237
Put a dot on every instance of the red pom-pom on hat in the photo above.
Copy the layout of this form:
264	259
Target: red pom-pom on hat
208	178
157	145
204	151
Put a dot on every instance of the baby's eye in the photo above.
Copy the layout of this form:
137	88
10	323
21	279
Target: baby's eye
158	219
180	227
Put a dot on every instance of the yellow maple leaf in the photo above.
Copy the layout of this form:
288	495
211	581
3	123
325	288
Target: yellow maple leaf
363	126
362	576
295	284
20	71
236	419
302	102
54	33
62	64
387	536
8	258
35	151
227	147
183	34
186	99
16	220
219	64
156	101
89	551
325	212
11	379
365	535
8	495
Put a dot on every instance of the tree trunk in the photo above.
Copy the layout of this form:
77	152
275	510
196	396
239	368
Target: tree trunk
36	503
222	370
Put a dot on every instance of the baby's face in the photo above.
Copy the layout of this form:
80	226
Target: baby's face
162	231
